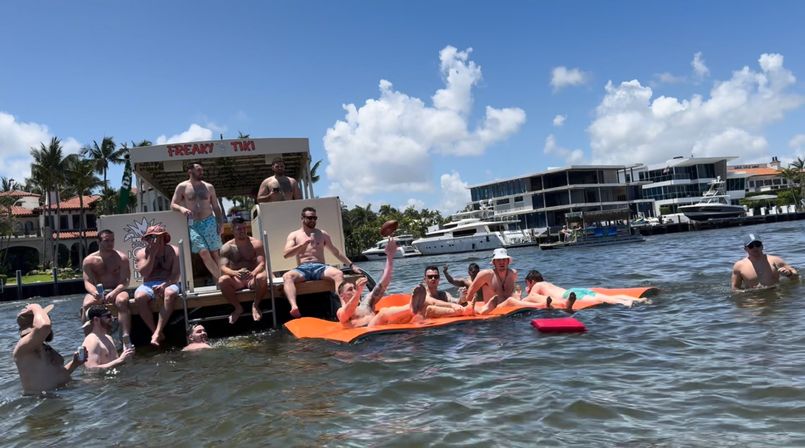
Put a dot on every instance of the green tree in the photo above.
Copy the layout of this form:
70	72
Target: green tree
47	170
104	155
795	174
80	182
314	175
6	228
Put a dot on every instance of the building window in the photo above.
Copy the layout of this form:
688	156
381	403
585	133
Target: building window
63	222
76	221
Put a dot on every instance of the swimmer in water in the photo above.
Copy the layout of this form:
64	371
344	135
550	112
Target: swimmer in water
757	269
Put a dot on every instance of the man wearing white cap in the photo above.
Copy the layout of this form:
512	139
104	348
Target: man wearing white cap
497	284
758	269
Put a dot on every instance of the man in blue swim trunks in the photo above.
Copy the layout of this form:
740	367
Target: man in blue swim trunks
307	245
196	199
158	263
540	291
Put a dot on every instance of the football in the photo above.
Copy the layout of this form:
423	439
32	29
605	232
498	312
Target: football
388	228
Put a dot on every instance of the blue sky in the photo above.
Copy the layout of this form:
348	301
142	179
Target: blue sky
443	94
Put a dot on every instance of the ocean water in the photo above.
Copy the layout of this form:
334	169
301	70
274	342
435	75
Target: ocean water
697	366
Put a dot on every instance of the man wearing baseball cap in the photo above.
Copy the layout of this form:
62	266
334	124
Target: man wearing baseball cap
758	269
41	368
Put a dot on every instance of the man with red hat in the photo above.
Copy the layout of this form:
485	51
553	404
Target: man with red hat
41	368
158	263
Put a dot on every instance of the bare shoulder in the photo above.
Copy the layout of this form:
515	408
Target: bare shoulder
139	253
257	244
122	255
738	264
208	185
175	249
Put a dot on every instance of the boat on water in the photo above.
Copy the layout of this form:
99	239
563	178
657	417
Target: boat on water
715	204
235	167
597	228
468	235
404	248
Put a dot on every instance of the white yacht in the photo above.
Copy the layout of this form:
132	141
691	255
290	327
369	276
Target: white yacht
715	204
465	235
404	248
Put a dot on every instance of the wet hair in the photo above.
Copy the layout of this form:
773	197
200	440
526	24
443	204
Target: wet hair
473	267
190	330
431	268
344	285
238	220
534	276
97	311
308	209
105	232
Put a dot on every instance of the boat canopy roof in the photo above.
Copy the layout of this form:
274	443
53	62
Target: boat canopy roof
235	167
591	216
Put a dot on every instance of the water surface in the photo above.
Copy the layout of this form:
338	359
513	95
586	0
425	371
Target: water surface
698	366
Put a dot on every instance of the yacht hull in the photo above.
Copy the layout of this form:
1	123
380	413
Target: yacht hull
452	245
705	212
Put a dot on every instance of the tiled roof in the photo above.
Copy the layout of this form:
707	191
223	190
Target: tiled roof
73	203
758	171
69	235
18	193
22	211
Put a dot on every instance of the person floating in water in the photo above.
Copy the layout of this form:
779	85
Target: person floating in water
758	269
196	339
539	291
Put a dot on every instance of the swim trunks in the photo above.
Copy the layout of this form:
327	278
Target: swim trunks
311	271
148	288
580	292
204	235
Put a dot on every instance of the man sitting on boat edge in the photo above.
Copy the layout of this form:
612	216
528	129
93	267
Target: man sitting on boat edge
307	245
243	266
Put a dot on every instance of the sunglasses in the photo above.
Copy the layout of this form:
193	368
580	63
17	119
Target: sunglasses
432	276
754	244
312	218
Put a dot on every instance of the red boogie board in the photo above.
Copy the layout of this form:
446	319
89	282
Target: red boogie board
558	325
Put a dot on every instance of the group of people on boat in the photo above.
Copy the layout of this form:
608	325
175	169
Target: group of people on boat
240	264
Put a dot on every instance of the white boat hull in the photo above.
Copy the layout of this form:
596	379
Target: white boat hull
716	211
379	254
452	245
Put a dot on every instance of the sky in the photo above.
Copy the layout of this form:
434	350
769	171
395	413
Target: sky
409	103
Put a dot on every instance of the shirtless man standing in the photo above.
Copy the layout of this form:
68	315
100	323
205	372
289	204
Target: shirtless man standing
109	267
243	265
158	263
759	269
540	291
497	284
196	339
41	368
307	245
101	350
196	199
278	187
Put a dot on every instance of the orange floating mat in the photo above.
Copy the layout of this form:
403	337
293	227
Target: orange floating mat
311	327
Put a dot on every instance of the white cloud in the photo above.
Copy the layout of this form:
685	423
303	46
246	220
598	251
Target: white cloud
669	78
455	193
571	156
559	120
563	77
797	143
413	203
16	140
386	144
699	67
195	133
631	127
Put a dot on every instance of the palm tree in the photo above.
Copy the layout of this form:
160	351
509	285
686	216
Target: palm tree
104	155
7	184
47	170
80	181
314	176
6	228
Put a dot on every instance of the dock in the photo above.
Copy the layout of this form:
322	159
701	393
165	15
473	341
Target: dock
692	226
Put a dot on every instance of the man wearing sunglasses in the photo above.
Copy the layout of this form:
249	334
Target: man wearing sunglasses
101	350
307	245
759	270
